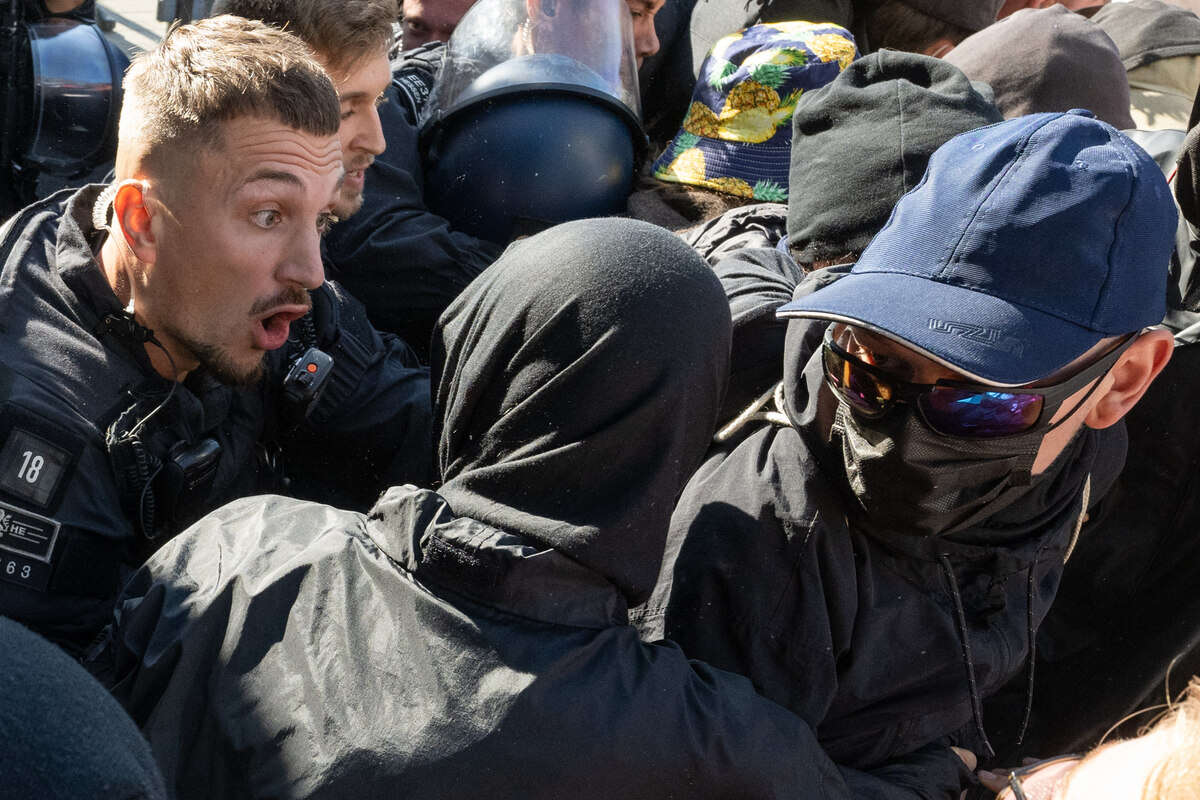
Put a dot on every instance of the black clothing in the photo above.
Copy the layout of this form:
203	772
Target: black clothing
1148	30
400	259
95	478
1126	616
65	737
475	644
769	573
863	140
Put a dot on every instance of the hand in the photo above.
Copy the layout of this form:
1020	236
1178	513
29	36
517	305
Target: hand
967	756
413	75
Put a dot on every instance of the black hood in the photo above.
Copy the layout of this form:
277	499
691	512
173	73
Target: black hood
578	384
862	141
1149	30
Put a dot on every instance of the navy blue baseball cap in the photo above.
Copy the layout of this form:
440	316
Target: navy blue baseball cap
1025	244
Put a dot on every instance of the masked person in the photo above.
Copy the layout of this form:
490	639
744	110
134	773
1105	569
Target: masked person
169	340
877	555
473	642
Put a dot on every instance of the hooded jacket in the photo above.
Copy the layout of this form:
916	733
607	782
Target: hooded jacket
473	642
883	641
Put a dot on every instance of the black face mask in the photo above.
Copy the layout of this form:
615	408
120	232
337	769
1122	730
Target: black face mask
909	479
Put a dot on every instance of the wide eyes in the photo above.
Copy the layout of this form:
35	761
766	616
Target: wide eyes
267	218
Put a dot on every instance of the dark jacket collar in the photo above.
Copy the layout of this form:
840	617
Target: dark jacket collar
418	531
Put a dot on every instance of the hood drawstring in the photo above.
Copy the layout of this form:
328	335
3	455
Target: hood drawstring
960	618
759	410
1031	637
1031	631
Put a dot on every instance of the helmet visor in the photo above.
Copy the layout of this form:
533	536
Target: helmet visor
505	46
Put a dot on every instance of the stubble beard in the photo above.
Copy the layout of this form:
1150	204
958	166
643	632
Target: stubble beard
347	205
218	363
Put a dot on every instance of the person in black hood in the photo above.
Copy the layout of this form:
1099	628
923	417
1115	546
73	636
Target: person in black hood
473	642
878	556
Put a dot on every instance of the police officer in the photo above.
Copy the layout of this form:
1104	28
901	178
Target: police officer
168	341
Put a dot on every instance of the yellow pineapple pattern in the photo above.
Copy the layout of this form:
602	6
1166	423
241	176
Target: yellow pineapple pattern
701	121
757	124
735	186
831	47
688	168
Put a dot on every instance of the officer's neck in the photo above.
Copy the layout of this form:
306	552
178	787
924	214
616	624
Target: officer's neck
118	264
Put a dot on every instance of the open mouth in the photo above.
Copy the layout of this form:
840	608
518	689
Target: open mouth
274	328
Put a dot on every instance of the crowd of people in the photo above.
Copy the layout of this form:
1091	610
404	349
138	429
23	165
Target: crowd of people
624	398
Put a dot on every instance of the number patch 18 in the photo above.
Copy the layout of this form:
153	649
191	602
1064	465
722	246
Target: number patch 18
31	467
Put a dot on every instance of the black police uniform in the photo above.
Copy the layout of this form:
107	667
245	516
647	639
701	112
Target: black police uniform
101	459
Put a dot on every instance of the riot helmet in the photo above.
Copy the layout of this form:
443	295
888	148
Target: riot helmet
535	117
61	99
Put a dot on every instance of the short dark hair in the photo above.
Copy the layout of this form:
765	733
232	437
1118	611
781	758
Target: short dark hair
341	32
219	69
894	25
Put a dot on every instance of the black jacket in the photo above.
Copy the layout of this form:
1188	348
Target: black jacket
855	630
87	493
473	643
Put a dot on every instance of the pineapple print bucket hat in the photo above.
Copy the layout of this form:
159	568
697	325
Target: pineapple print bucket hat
737	135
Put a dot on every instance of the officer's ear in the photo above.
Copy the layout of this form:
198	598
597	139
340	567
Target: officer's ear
1130	377
132	213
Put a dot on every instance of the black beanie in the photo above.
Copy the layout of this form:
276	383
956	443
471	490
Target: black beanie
862	141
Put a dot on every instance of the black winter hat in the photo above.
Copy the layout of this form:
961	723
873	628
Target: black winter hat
1148	30
973	15
863	141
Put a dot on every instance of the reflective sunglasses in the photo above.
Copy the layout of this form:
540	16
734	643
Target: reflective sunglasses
1023	785
956	408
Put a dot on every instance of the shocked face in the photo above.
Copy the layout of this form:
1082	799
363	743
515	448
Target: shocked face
237	246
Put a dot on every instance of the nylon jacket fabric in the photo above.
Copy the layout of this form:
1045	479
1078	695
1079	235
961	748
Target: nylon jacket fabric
287	649
1048	59
401	260
65	737
64	378
768	573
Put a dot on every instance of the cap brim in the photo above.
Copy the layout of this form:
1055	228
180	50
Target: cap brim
987	339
